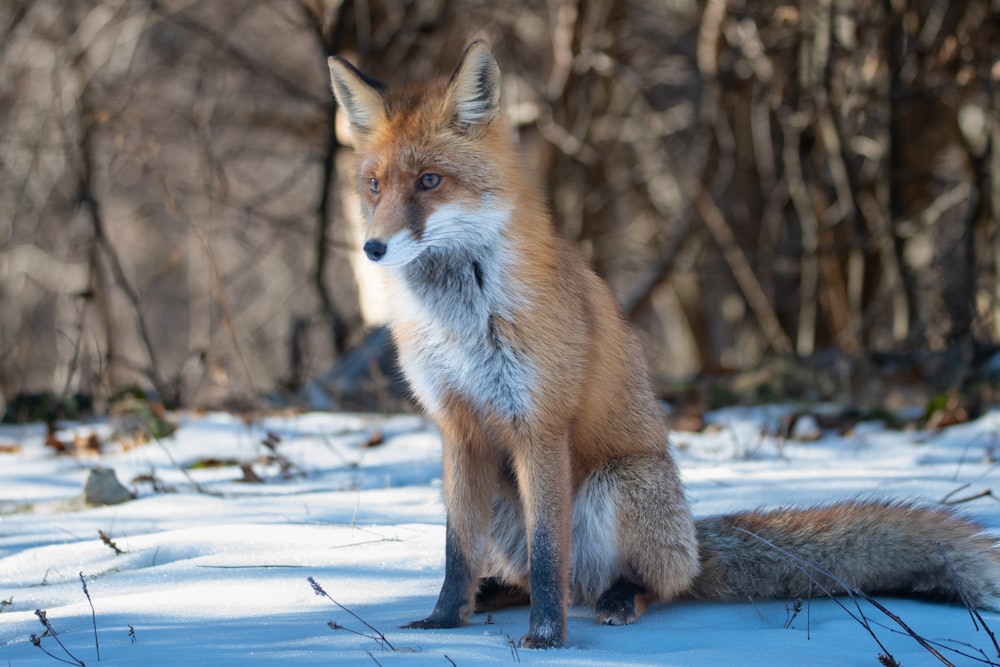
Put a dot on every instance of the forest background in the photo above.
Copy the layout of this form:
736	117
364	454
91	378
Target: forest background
803	193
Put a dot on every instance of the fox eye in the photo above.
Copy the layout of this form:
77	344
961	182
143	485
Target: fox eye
374	186
428	181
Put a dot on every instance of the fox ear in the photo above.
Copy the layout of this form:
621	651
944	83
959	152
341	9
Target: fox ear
474	88
361	98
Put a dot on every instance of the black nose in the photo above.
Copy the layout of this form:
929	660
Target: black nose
375	249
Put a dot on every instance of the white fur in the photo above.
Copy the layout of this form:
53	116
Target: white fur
595	538
400	249
508	556
594	566
457	284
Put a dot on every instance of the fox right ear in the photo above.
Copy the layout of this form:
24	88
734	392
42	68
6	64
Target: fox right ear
361	98
474	88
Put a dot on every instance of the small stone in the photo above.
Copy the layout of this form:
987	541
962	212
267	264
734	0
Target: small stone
103	488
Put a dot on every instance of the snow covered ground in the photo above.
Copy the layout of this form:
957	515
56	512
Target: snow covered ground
215	571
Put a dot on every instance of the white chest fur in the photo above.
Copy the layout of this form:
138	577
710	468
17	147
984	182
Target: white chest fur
454	302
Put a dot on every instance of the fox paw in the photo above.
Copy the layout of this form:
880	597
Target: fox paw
616	612
622	604
533	641
429	623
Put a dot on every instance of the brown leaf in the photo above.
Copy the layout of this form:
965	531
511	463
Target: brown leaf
54	443
374	440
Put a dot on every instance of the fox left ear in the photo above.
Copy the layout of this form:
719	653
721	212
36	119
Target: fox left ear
361	98
474	88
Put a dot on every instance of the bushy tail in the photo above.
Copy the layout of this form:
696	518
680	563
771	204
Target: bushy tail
877	547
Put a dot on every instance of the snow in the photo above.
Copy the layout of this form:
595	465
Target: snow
216	571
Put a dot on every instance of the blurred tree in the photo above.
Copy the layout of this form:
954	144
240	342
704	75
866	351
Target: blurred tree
168	179
176	210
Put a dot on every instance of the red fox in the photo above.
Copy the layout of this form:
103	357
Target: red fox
559	481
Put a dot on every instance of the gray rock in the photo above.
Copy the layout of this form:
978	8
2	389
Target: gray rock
103	488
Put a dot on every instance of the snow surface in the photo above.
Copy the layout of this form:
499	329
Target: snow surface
219	576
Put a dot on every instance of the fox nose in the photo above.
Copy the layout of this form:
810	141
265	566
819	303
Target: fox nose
375	249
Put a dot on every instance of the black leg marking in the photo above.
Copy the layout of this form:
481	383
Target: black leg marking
547	622
453	605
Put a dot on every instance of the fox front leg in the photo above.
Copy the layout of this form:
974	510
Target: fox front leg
544	478
470	466
455	602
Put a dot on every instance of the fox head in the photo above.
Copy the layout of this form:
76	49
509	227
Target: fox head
433	158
